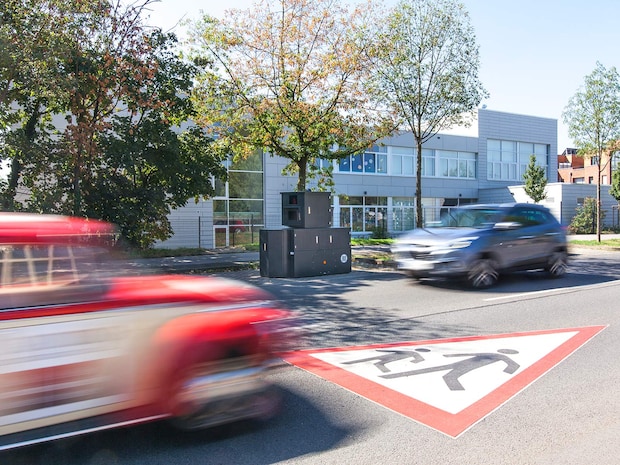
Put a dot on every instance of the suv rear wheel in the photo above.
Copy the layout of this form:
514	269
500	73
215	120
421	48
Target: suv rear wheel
558	261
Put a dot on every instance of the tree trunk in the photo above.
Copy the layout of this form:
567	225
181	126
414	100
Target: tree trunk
598	204
302	167
419	220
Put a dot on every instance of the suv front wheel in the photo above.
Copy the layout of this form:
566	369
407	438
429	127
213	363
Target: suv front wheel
483	273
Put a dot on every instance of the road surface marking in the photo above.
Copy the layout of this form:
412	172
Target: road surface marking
446	384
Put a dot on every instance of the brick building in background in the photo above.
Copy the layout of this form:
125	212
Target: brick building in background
576	169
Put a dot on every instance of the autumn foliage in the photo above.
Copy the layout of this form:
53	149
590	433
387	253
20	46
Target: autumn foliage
289	77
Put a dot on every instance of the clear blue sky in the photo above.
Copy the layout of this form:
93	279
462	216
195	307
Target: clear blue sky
534	53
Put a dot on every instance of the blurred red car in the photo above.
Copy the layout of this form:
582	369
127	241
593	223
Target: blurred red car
88	347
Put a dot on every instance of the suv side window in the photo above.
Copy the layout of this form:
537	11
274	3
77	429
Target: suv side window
528	216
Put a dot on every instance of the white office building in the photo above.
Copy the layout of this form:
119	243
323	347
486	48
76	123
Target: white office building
376	190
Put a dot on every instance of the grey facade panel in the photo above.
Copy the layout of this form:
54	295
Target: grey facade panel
495	195
438	142
521	128
192	226
274	184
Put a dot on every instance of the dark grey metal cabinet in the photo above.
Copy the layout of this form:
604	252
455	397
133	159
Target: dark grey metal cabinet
296	253
306	245
306	209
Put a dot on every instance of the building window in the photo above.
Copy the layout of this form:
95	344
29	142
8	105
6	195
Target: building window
526	150
403	214
502	160
322	164
508	160
372	161
238	202
456	164
428	163
363	214
403	161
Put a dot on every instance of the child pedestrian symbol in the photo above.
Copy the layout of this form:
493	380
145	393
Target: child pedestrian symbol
457	369
391	356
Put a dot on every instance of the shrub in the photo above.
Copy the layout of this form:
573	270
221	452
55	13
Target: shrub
584	221
379	232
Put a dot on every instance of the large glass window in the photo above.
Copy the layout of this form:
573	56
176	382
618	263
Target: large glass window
456	164
238	204
403	161
403	214
363	214
508	160
245	185
526	150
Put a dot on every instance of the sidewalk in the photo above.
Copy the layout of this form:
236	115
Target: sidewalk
591	237
224	260
212	261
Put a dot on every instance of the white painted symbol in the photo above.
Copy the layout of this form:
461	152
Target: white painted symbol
446	384
452	375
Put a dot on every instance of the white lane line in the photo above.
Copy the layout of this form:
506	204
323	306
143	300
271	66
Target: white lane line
550	291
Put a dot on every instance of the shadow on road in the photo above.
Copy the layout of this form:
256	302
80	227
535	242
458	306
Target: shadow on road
329	319
332	321
582	271
250	442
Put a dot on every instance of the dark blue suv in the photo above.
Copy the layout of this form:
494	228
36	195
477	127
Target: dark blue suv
478	242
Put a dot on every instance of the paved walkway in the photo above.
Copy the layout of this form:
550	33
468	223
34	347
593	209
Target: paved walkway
211	261
591	237
226	260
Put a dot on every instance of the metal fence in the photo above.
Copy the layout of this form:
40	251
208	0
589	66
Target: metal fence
200	232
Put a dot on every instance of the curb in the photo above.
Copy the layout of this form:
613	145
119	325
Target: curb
368	262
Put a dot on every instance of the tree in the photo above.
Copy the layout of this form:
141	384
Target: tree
149	165
426	71
117	152
110	59
593	119
290	80
36	36
535	180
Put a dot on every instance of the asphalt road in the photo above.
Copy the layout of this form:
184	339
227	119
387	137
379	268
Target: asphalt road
570	414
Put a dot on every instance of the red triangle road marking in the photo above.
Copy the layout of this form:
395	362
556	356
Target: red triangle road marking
446	384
